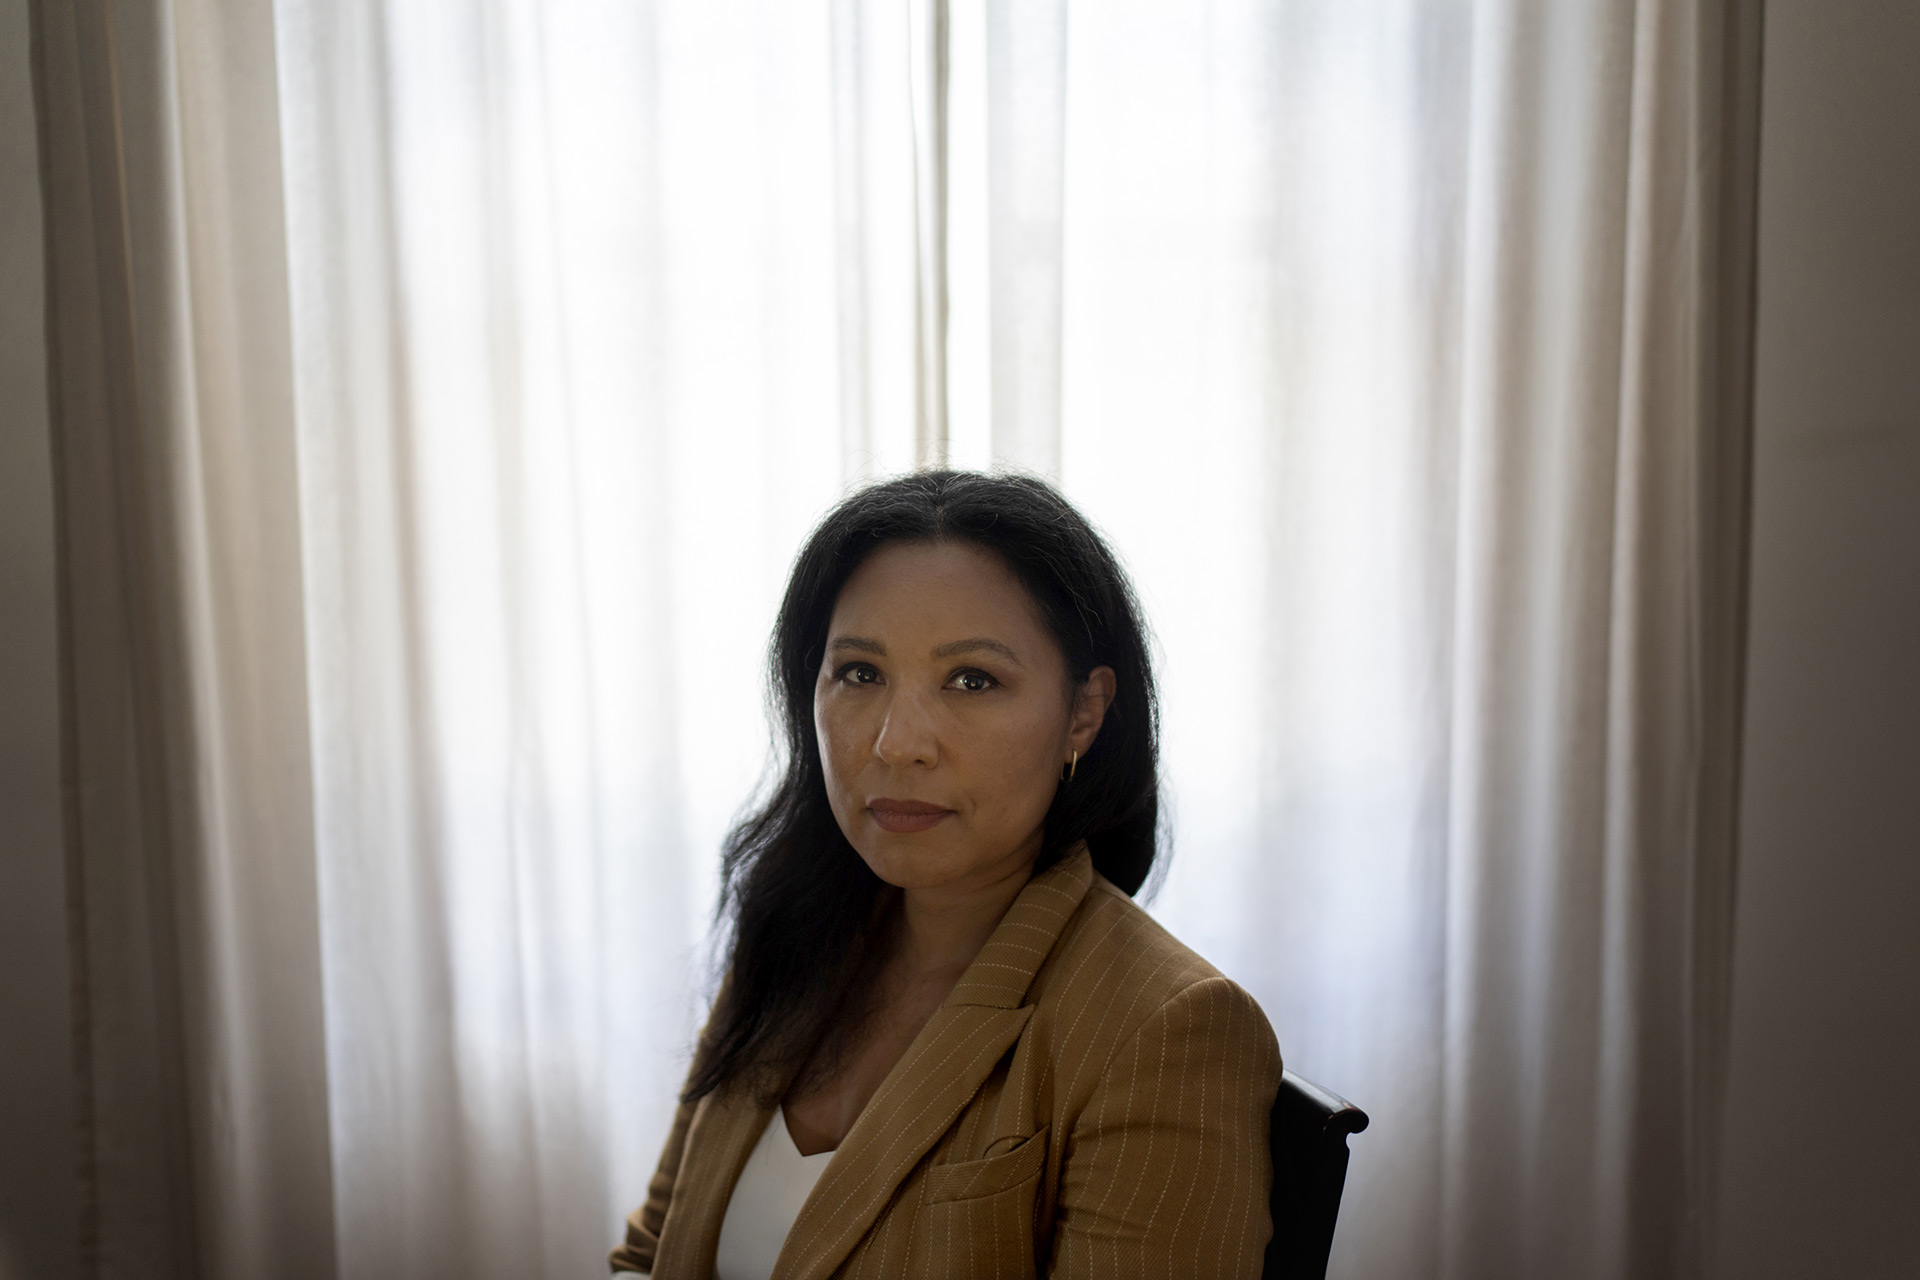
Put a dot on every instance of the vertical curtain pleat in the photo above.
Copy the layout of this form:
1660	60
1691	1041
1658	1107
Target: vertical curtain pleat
204	1119
1726	137
1026	109
930	66
131	1089
879	258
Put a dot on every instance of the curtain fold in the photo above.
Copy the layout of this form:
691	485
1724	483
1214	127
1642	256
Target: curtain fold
577	294
1025	90
1405	354
441	389
190	854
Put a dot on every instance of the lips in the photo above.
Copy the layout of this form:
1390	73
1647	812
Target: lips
906	815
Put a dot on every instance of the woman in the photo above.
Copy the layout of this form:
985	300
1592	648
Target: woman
949	1044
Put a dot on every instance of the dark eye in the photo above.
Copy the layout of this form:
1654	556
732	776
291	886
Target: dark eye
973	681
858	673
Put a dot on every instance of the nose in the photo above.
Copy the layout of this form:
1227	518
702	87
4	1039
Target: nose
907	734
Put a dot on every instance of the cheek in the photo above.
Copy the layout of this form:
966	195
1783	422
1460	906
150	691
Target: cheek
836	729
823	733
1017	762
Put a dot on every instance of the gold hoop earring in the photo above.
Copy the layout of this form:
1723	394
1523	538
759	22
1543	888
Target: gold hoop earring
1071	766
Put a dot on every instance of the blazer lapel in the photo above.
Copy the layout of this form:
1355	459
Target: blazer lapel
941	1070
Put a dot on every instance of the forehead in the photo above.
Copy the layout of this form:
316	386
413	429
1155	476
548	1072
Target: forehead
936	587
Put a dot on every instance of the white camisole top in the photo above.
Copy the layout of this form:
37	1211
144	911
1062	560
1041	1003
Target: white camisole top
775	1183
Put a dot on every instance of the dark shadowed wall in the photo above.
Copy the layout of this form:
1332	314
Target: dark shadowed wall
1822	1148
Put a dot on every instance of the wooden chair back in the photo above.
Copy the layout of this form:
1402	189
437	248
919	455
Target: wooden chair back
1309	1142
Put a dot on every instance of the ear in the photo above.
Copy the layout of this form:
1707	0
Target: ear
1090	705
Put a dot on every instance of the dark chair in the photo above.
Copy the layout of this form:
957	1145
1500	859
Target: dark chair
1309	1140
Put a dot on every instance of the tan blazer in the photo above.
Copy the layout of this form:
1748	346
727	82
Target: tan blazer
1091	1100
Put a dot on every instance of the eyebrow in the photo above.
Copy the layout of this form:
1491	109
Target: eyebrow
973	644
977	644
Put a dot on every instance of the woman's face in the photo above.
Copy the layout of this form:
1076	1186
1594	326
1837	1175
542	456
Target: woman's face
945	716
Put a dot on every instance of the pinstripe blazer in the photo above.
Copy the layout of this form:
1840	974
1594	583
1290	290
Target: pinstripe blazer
1092	1099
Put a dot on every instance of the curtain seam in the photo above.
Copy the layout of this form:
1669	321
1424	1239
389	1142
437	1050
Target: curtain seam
85	1119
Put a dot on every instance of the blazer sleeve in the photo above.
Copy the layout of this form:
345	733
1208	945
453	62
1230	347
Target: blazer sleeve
643	1224
1167	1171
636	1252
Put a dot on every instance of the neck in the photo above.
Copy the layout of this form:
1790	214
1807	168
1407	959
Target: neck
944	928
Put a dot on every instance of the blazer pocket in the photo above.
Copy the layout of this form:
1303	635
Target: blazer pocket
974	1179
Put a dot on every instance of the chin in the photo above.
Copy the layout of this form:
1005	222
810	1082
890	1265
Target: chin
912	861
930	859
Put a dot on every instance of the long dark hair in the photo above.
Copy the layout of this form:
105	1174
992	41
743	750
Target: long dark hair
808	920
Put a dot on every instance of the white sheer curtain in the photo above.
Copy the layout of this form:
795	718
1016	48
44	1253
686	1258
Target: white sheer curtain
570	395
1391	360
444	386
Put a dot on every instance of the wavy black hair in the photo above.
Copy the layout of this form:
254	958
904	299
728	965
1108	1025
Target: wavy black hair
808	921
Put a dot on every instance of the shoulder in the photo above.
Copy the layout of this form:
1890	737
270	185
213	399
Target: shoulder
1116	972
1111	939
